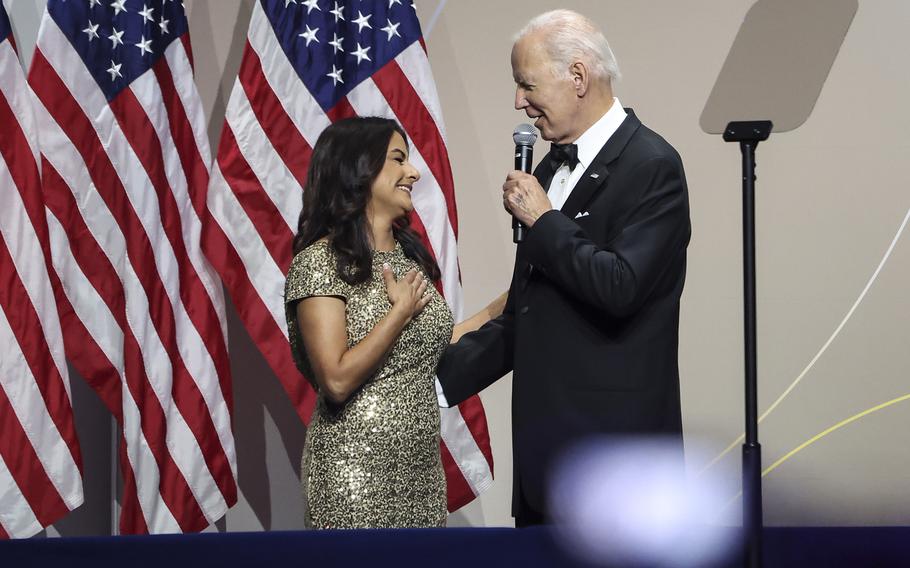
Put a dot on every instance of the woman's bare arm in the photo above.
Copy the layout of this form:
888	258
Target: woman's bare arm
492	310
339	370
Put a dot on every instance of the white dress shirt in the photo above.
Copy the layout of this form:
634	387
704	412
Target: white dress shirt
589	144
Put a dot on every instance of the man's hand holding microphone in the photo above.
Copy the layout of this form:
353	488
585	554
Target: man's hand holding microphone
522	195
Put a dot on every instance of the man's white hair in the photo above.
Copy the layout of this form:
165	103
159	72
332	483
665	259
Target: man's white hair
571	37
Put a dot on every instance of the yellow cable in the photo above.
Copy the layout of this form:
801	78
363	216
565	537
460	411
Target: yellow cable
821	435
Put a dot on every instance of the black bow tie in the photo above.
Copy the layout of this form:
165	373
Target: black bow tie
563	154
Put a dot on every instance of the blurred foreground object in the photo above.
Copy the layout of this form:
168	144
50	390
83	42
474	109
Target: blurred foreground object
628	501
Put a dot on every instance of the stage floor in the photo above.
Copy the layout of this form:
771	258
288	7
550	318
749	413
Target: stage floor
806	547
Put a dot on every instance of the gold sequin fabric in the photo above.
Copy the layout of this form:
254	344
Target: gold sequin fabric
375	461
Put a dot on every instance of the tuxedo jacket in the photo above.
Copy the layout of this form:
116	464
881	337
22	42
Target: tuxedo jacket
591	325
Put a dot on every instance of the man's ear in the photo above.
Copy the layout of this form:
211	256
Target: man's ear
580	78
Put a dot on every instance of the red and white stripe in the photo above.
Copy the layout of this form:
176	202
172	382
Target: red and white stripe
40	462
143	313
255	196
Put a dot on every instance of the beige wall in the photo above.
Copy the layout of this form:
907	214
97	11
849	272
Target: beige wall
831	198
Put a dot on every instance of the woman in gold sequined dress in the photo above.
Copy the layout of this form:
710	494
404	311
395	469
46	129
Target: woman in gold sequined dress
367	328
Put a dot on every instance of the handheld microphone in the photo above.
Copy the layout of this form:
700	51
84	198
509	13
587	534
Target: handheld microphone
524	137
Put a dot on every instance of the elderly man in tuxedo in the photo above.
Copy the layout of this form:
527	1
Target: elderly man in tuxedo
591	324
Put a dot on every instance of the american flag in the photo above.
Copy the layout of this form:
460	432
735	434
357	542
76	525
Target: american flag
40	462
308	63
125	171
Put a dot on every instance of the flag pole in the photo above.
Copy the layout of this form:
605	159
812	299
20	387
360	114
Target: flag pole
115	505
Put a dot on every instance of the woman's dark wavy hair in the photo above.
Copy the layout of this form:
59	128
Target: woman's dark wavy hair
347	159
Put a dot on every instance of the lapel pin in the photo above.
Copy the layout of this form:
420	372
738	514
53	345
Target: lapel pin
595	176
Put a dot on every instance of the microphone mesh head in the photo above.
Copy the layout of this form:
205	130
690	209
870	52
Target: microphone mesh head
524	135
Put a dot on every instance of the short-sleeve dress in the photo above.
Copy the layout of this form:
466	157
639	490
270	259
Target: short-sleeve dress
373	462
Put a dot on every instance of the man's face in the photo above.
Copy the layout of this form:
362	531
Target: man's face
548	98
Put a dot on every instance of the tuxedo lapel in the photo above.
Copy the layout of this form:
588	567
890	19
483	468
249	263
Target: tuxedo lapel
594	180
544	173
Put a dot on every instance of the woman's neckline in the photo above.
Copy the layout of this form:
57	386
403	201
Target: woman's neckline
325	242
394	249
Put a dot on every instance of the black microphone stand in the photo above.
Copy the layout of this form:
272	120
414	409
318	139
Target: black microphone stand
749	134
